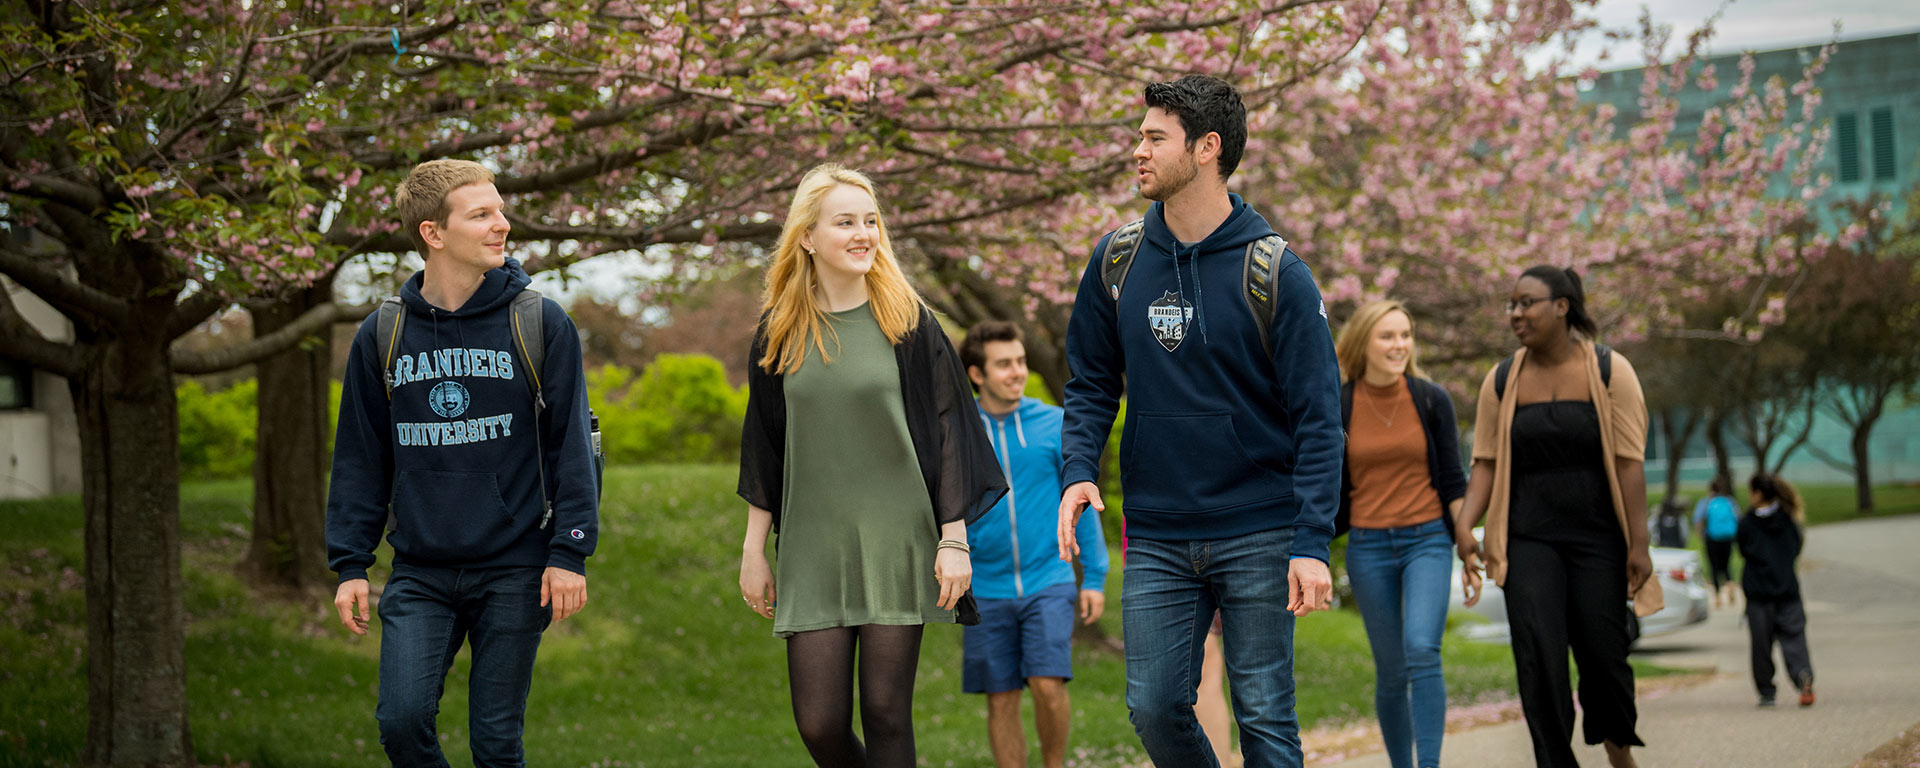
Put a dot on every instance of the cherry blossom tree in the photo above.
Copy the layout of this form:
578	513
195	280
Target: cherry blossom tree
161	162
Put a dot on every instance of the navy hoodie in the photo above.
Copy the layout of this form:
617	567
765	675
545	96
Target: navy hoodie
1221	439
454	452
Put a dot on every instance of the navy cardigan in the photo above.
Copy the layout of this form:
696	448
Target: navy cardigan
1443	448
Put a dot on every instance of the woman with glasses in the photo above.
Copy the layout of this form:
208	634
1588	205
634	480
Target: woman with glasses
1558	474
1403	486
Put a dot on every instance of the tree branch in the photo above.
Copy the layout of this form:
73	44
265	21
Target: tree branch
316	320
78	301
21	341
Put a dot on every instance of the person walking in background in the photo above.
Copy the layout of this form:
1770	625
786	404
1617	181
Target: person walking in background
1403	486
861	452
1771	535
490	503
1718	521
1230	459
1027	596
1559	474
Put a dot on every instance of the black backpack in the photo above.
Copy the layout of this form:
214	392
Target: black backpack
1601	351
1259	277
528	323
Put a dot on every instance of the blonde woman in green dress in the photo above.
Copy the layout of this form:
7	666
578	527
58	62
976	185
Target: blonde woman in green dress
862	454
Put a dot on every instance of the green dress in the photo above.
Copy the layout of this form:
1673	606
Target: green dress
857	538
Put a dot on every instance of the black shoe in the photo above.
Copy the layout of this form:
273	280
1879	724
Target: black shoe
1766	701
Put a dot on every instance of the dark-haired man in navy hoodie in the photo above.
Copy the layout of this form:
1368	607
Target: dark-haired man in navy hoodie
1230	460
445	438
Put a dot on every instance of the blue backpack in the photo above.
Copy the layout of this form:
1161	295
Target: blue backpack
1723	521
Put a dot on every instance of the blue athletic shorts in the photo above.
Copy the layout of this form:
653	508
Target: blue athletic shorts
1019	638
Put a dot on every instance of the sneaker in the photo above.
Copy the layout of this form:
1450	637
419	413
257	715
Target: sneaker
1766	701
1806	693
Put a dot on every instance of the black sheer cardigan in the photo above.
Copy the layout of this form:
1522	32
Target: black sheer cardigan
963	476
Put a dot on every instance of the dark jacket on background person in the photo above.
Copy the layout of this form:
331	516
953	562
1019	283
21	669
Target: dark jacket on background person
1435	409
456	451
1770	542
963	476
1223	438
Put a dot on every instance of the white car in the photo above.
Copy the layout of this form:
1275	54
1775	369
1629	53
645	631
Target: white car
1687	596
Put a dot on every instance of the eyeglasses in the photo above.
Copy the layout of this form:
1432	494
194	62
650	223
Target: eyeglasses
1524	302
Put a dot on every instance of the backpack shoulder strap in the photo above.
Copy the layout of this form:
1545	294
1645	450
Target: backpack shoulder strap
1259	281
1500	378
1118	257
387	322
1601	351
529	340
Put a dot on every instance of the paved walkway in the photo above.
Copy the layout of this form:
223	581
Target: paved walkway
1862	588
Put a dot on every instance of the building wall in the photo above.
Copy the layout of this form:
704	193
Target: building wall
40	445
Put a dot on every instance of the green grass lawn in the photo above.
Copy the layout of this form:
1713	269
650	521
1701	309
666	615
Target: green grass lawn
663	668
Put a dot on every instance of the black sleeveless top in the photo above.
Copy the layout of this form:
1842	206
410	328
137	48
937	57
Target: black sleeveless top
1559	476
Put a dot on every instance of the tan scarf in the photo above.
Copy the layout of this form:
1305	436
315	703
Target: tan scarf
1649	598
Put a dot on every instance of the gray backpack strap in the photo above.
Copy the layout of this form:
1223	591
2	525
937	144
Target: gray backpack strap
1118	257
530	340
1260	279
387	323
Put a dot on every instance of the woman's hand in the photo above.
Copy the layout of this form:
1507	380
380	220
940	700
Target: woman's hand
954	568
1470	578
1639	567
756	583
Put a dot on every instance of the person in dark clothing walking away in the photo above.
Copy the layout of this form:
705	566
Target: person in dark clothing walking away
494	503
1717	518
1403	489
1559	472
863	452
1771	536
1230	459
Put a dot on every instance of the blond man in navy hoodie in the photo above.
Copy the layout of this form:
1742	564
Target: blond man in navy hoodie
1230	459
491	505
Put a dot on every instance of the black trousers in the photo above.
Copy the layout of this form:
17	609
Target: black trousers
1571	594
1720	559
1783	621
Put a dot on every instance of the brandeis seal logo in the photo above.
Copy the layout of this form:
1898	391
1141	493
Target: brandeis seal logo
449	399
1168	317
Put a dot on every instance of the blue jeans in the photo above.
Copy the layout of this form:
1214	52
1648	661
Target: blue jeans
425	615
1400	579
1168	597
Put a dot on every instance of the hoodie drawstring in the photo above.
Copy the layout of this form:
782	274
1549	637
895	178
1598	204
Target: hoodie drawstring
1192	256
1019	430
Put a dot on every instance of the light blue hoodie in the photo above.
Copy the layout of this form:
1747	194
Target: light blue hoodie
1016	550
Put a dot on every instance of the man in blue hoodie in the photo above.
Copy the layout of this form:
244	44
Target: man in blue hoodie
445	438
1026	595
1230	458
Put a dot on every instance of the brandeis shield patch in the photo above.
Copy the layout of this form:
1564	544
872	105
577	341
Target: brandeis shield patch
1168	317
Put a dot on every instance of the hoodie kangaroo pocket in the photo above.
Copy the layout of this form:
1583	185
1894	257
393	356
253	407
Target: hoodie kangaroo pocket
1193	462
450	516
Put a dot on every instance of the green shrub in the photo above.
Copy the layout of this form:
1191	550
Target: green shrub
680	409
217	430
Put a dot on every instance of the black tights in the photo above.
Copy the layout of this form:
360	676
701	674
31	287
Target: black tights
820	671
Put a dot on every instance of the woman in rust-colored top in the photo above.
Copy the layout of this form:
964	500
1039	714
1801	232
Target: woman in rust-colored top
1559	472
1403	485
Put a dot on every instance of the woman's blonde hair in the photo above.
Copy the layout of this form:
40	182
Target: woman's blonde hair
794	318
1351	347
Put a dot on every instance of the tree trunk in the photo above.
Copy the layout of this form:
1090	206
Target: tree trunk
1862	444
289	549
1677	432
1717	438
136	617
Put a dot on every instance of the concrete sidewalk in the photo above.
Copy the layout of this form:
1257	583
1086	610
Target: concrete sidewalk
1861	584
